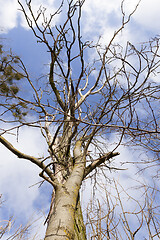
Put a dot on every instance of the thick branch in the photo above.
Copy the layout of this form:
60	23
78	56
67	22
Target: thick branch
19	154
76	176
52	83
99	161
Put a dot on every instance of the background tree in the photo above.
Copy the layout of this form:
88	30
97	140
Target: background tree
9	75
77	106
6	226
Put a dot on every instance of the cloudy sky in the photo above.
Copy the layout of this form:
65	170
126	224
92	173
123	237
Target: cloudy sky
100	18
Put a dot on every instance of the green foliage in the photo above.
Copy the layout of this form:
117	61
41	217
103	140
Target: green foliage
14	89
9	73
4	88
1	49
9	78
19	110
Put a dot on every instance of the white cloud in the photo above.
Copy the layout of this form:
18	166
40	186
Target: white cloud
131	185
48	7
99	15
148	15
16	178
10	11
105	17
130	160
8	15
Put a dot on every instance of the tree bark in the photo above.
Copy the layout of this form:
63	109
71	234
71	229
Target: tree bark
79	227
61	222
66	221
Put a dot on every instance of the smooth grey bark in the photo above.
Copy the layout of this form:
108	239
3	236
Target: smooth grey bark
66	222
61	223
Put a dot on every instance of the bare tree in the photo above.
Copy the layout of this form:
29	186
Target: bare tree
80	103
8	230
122	222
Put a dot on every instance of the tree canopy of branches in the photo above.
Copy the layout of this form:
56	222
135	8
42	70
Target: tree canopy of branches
79	103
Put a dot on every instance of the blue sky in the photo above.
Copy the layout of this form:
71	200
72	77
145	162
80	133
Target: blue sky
100	17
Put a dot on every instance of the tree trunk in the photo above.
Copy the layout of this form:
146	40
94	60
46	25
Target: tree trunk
79	227
66	221
61	222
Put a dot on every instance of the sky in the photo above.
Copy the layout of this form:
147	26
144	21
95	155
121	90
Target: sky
100	18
